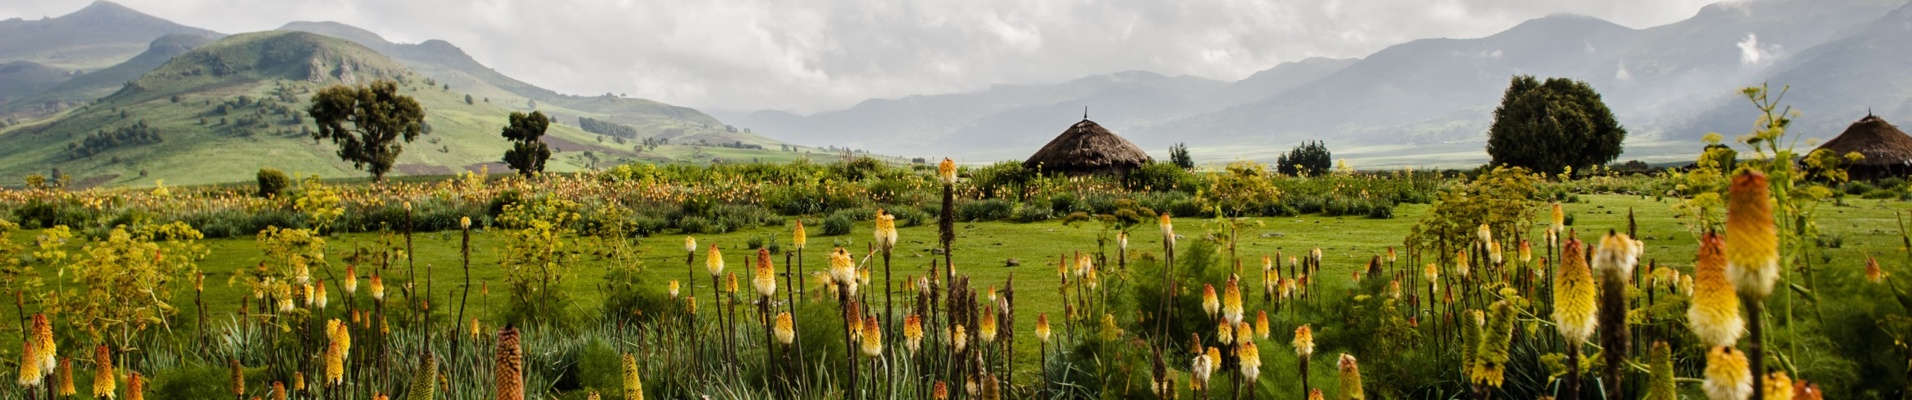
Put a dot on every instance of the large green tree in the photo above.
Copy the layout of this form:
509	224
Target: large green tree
1549	126
367	122
1310	158
528	151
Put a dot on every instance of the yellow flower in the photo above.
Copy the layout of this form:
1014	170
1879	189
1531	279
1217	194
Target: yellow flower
673	288
1210	303
946	171
1304	341
986	327
885	232
690	305
278	391
872	338
1714	311
1873	273
714	262
798	238
136	387
1231	301
425	381
1431	272
378	288
766	275
1485	234
238	377
1224	332
1617	256
1390	254
842	268
43	343
1168	230
1201	368
1460	264
340	333
66	378
990	389
1727	375
941	390
1122	241
30	375
1315	394
1526	252
633	383
508	366
1261	324
1557	218
1493	253
1244	333
730	283
786	328
690	245
351	281
1752	239
1779	386
103	376
1575	312
913	333
1042	327
334	364
1496	341
1250	360
1350	379
959	337
318	294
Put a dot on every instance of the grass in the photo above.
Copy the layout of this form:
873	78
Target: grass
982	250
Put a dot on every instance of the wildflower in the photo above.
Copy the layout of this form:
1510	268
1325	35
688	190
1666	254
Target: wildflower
136	387
1201	368
1526	252
714	262
913	332
633	383
1558	219
1304	341
842	268
1485	234
798	238
103	376
43	343
30	375
690	245
991	391
1122	241
765	279
301	274
1617	256
946	171
1714	311
1803	390
730	283
1261	324
1210	304
1432	272
1496	340
1493	253
1394	289
319	294
1168	230
786	328
941	390
351	281
1752	240
690	304
1224	332
1390	254
424	382
338	332
1110	330
1727	375
872	338
378	288
986	327
508	370
278	391
1231	301
476	334
1460	264
1250	360
334	364
65	378
1244	333
298	381
1350	379
238	375
1873	273
1574	310
885	232
1042	327
1660	384
672	288
1315	394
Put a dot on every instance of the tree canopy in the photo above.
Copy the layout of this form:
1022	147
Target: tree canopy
1552	125
367	122
1307	159
528	151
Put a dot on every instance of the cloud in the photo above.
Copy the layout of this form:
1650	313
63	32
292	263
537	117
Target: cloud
808	56
1750	53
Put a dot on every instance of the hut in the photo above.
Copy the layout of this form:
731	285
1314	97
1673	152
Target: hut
1887	150
1086	148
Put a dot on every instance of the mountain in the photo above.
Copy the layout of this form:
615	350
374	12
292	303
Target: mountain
446	64
1858	73
93	85
21	79
98	36
221	111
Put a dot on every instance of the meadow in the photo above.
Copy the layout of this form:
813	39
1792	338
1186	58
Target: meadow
581	286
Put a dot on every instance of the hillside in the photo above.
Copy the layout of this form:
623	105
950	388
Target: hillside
95	37
22	79
220	112
96	84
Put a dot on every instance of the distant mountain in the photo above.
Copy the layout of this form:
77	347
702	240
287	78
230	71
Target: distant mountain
93	85
449	65
21	79
1862	71
98	36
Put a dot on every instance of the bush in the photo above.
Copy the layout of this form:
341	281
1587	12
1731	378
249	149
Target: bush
1161	177
272	182
692	224
837	224
985	210
1032	213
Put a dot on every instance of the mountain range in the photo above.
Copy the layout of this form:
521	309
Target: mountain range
111	96
1429	102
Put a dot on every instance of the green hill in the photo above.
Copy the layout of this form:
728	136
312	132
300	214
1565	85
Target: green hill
93	85
220	112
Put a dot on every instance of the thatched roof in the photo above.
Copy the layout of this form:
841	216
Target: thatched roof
1088	148
1881	143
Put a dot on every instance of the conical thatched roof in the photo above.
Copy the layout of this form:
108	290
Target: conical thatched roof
1087	148
1881	143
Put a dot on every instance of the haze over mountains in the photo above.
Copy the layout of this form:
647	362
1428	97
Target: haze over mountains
1428	102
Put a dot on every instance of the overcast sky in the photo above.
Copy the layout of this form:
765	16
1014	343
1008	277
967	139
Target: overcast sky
818	55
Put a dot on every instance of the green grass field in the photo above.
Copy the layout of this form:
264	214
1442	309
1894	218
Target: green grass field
983	249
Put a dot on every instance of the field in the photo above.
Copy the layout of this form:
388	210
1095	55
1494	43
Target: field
557	260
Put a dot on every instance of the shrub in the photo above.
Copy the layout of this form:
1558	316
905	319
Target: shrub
1031	213
985	210
837	224
272	182
1161	177
692	224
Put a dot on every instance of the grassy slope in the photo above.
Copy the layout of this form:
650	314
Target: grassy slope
465	135
981	248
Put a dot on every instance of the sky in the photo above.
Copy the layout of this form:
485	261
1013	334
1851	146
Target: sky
807	56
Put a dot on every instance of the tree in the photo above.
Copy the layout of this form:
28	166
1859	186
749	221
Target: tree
528	151
378	118
1178	155
1307	159
1553	125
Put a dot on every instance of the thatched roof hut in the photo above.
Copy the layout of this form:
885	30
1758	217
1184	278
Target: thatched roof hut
1887	150
1087	148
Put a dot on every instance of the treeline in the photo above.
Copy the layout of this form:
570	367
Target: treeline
603	127
132	135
